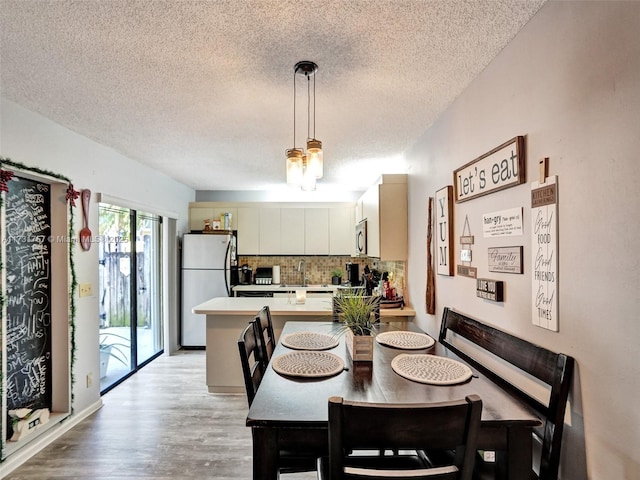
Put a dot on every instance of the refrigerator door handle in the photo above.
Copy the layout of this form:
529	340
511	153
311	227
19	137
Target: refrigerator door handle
227	270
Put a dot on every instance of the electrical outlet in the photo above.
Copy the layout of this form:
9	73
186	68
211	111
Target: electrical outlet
85	290
89	379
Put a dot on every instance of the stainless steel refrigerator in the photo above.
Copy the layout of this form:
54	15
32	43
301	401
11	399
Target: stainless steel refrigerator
208	264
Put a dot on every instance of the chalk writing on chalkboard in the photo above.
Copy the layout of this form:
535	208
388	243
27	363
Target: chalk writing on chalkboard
28	285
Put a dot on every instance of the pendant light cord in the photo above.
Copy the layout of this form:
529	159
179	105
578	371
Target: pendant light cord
309	104
294	109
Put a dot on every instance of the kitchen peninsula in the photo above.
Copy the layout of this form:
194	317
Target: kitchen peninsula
227	316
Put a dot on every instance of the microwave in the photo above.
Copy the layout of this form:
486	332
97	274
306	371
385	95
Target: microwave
361	237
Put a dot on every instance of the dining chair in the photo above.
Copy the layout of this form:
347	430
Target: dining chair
358	427
251	360
267	336
254	365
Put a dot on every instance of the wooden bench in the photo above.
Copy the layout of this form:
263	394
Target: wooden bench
553	369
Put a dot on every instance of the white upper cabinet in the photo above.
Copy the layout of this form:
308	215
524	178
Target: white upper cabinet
316	231
270	236
341	231
284	229
248	230
292	231
384	207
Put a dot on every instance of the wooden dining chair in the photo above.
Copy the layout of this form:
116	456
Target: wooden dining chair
251	359
355	427
254	365
267	336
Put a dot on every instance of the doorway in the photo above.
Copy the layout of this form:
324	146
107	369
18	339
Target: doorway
130	286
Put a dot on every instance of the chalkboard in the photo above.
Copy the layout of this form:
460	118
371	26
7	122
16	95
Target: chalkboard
28	285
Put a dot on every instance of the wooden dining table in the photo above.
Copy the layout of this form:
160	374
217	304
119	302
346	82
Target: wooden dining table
291	413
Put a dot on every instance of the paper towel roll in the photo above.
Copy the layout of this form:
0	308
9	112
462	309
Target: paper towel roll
276	275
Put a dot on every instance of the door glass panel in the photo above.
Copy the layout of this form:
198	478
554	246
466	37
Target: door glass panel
148	255
114	294
130	300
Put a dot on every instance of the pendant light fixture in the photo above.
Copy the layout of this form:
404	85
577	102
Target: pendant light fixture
304	168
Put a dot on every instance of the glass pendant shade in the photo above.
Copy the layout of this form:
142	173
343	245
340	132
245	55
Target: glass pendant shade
308	178
314	157
294	167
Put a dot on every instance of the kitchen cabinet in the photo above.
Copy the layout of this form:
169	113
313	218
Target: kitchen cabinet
292	231
384	207
341	233
270	235
316	231
284	229
248	230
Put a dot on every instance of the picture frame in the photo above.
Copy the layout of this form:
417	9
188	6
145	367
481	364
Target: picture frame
444	231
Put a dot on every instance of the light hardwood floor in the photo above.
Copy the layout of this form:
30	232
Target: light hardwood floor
159	424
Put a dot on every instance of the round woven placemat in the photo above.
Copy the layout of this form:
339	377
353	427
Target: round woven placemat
303	363
430	369
310	341
405	340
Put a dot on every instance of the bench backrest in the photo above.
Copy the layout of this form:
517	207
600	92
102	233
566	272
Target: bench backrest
553	369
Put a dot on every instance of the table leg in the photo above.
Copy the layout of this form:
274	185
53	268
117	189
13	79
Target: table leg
516	462
265	453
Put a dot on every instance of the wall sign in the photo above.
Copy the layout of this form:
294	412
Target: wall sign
490	289
444	230
505	259
466	271
506	223
501	168
544	258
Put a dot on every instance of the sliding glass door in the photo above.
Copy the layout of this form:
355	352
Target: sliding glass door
130	292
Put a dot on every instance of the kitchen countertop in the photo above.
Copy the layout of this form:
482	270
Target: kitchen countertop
281	306
284	288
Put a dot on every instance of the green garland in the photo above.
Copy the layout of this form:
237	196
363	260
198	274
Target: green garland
6	162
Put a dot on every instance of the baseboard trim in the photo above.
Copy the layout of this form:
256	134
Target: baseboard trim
16	459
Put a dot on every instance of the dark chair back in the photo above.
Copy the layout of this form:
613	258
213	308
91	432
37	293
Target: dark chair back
251	360
551	368
267	337
380	426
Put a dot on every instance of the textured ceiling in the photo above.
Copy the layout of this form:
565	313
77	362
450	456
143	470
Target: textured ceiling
203	90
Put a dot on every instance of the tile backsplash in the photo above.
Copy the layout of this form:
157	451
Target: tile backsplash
318	268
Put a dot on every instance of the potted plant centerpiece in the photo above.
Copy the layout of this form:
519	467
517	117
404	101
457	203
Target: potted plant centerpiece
336	276
356	310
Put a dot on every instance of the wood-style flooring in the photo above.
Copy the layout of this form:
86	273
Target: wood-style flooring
159	424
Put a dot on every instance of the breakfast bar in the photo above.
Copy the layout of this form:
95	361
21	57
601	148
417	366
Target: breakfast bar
227	316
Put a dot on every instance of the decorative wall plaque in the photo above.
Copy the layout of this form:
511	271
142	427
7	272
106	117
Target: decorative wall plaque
501	168
505	259
466	271
490	289
544	257
444	230
505	223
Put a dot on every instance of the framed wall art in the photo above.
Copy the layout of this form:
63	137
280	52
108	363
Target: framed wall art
444	231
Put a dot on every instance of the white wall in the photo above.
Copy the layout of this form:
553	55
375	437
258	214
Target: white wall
35	141
570	82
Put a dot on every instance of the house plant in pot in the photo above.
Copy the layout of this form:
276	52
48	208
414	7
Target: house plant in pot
356	311
336	276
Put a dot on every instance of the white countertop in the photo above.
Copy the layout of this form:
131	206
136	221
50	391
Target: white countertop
280	306
284	288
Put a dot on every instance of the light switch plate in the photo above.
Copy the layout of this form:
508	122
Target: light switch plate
85	290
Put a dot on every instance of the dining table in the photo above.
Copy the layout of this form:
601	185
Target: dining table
290	412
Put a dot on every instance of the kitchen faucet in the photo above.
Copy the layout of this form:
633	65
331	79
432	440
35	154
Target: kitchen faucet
302	268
